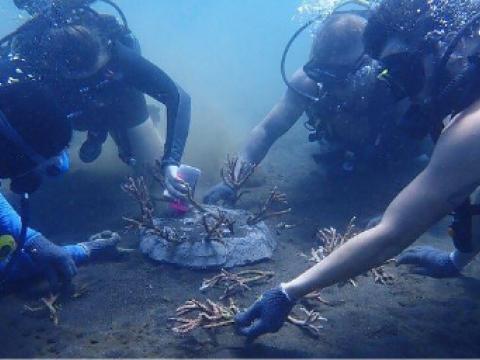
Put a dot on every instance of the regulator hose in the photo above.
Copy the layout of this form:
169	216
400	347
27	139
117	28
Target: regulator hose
284	60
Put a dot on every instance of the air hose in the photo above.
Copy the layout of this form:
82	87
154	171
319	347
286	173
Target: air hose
284	60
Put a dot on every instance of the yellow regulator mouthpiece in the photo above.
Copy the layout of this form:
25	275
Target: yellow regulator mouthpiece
7	246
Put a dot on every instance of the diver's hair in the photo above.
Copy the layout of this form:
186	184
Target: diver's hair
78	46
415	21
36	115
337	34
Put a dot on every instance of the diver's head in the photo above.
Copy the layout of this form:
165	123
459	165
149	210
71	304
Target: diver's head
33	129
402	35
33	6
75	51
337	49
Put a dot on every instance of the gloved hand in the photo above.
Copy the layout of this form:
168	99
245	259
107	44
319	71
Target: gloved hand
58	266
429	261
175	186
266	315
220	192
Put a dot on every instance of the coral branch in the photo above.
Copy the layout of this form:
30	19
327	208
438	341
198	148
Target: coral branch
47	303
216	225
311	322
235	173
138	190
209	315
265	212
331	240
233	283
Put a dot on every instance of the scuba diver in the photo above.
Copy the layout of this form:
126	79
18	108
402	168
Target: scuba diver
350	113
32	146
94	67
431	53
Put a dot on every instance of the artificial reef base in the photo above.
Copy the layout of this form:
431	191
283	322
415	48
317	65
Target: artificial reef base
202	246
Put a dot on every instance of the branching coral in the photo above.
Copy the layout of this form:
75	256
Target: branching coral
138	190
233	283
331	239
47	303
266	210
211	315
216	224
51	304
235	173
310	322
208	315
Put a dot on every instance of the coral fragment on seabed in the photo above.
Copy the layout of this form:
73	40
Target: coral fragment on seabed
331	239
233	283
208	315
311	321
266	210
382	276
47	303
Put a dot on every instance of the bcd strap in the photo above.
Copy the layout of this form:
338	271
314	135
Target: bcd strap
461	228
7	246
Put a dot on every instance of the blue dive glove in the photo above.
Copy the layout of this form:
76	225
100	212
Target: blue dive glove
220	193
266	315
429	262
55	263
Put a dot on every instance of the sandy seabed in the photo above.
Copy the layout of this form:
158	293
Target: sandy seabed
125	312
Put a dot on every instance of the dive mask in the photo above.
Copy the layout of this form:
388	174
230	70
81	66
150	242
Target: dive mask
329	75
404	74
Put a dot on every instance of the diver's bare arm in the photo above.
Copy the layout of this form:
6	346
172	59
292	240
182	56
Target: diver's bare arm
451	176
280	119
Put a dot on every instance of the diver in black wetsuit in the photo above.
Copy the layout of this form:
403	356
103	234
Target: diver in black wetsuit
95	68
